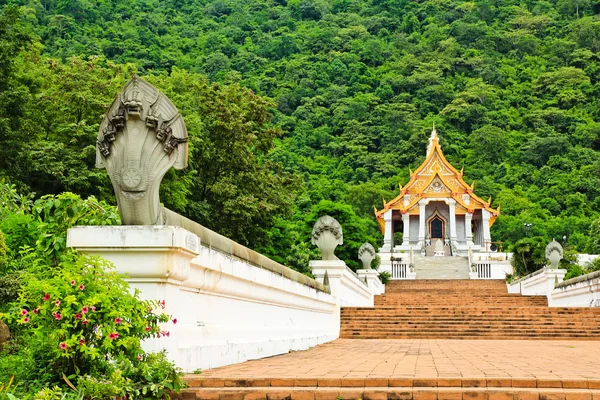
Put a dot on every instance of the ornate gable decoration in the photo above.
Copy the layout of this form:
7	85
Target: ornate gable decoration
437	186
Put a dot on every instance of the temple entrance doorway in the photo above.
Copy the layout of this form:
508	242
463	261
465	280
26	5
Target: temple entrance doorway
436	228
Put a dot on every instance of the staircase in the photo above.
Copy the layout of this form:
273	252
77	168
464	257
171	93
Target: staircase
441	267
465	309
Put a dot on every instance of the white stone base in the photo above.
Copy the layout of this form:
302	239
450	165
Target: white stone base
228	310
372	278
344	283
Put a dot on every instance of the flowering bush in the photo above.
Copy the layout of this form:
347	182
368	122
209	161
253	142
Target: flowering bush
84	320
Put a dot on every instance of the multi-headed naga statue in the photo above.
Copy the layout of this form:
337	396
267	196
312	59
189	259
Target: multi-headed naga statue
140	138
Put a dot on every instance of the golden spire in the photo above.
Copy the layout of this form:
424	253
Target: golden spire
431	139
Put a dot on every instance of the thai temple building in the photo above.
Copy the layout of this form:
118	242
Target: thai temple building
436	212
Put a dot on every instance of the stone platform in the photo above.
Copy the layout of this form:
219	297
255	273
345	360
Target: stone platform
413	369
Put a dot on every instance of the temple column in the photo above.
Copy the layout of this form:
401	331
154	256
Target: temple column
406	233
421	223
452	209
468	230
388	236
485	224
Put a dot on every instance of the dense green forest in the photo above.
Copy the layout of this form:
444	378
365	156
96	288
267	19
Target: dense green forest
325	103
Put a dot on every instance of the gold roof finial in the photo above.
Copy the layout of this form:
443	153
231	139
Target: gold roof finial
432	138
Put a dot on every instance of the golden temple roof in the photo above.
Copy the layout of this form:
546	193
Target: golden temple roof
436	178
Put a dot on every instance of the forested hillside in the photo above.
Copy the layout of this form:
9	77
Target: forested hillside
353	87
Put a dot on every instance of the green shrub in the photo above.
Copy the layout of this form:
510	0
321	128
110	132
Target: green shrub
593	265
79	319
9	288
574	271
384	277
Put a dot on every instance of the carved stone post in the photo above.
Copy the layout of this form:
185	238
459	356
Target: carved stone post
366	254
327	235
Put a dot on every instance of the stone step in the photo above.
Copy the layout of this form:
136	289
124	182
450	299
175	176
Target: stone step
197	381
453	388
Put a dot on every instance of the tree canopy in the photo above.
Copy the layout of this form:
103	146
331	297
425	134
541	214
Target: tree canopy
318	100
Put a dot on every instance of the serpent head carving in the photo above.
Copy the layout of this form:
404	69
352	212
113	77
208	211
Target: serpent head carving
141	136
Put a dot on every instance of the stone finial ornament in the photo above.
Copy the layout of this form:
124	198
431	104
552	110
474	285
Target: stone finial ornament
366	254
554	253
141	136
327	235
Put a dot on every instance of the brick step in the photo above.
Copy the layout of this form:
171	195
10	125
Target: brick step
496	324
198	380
478	316
456	294
387	393
436	294
380	312
428	297
468	303
465	333
468	322
565	310
447	336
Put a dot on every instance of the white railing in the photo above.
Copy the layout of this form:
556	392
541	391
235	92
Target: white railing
399	270
484	270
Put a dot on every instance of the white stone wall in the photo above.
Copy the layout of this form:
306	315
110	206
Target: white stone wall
345	285
582	291
228	310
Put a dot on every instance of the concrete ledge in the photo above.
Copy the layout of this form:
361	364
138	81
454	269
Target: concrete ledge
578	279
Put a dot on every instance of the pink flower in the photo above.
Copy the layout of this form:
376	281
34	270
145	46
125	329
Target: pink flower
57	303
148	329
113	336
72	283
174	320
36	311
24	312
139	358
85	322
46	297
26	319
85	309
118	320
82	342
162	303
81	287
57	316
93	308
63	345
77	316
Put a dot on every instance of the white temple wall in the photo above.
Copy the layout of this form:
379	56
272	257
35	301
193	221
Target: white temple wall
229	310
